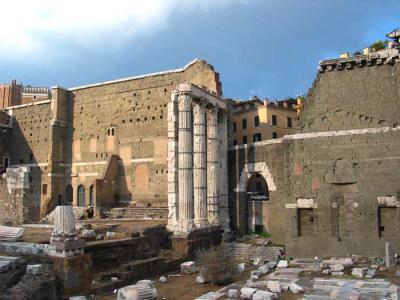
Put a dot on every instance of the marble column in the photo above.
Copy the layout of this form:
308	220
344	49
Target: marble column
172	157
223	172
200	164
185	164
212	166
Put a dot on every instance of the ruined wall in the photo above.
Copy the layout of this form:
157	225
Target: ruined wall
15	192
268	159
128	118
337	179
356	98
28	146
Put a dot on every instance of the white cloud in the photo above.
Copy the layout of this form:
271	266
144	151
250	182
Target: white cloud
27	26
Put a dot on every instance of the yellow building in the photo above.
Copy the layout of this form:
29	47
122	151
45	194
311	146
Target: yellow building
256	120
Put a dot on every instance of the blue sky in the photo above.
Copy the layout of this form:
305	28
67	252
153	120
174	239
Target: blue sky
269	48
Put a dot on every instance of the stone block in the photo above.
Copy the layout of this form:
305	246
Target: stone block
389	256
34	269
233	293
295	288
136	292
359	272
188	267
200	279
241	267
247	293
13	234
263	295
336	267
337	273
282	264
274	286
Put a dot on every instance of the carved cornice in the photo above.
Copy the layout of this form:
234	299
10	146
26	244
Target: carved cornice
388	57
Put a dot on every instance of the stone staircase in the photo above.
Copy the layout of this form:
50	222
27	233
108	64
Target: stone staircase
139	213
243	251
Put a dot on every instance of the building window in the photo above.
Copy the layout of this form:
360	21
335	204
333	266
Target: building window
234	126
289	122
69	194
274	135
257	137
274	120
6	162
256	121
44	189
81	195
244	124
31	157
305	222
245	139
234	142
91	195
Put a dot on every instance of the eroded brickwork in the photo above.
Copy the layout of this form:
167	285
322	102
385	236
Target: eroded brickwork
102	145
337	179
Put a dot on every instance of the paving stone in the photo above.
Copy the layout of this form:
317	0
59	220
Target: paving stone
247	293
211	296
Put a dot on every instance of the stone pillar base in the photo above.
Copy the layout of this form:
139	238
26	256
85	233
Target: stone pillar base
201	238
74	273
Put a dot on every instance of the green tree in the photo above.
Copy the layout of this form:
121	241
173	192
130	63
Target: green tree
379	45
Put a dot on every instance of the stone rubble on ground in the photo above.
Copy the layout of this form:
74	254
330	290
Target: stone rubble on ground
295	288
359	272
247	292
274	286
282	264
264	295
258	261
241	267
233	293
188	267
36	269
200	279
137	292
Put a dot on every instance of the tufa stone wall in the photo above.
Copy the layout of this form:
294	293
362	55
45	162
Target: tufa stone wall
337	179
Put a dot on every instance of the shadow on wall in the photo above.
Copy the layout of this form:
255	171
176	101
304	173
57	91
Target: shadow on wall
22	188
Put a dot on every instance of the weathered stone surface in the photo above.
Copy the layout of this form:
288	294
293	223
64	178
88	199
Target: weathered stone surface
64	220
359	272
136	292
263	295
8	233
211	296
282	264
247	293
241	267
274	286
295	288
233	293
188	267
34	288
336	267
34	269
200	279
389	256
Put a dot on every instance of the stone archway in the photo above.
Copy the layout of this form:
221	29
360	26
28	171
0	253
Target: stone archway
254	168
243	223
257	194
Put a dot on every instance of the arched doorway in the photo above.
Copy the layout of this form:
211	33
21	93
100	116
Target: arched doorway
91	195
257	194
81	195
69	194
